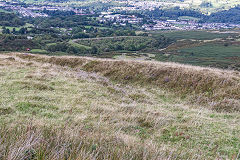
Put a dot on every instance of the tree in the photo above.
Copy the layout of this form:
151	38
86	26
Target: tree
72	50
94	50
14	30
5	30
22	30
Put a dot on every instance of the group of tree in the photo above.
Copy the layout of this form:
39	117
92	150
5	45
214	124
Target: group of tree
229	16
173	13
82	32
21	31
137	43
63	21
69	48
15	43
10	19
58	13
68	19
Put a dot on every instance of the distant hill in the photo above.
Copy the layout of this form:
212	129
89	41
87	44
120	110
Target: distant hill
228	16
209	6
205	6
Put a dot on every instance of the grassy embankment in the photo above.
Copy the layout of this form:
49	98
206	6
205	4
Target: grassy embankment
85	108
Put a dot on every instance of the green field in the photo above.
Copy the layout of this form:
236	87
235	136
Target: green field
39	51
202	48
211	54
96	27
197	35
188	18
77	45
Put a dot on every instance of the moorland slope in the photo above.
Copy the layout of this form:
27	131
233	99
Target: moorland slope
86	108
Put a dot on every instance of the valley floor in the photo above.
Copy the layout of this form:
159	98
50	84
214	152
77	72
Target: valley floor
49	111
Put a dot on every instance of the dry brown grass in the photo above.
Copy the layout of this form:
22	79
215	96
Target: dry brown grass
85	108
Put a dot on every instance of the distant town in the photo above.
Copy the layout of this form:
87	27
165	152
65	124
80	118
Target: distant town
37	11
187	25
112	15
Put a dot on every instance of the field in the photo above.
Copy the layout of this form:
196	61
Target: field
86	108
196	35
202	48
188	18
39	51
209	54
214	55
78	45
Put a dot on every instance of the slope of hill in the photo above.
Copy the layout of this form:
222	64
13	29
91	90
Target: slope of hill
230	16
219	4
214	3
209	6
206	6
86	108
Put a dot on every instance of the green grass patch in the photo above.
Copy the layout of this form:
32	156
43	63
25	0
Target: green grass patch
211	54
96	27
77	45
39	51
28	107
198	35
188	18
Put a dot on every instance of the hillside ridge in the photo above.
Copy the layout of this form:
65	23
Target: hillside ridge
216	88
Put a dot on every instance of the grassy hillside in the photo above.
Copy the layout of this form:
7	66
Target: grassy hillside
205	6
86	108
202	48
196	35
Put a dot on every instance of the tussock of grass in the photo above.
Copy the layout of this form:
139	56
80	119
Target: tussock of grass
33	144
84	108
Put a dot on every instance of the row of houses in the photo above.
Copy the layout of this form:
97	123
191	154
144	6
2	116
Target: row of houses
185	25
132	5
36	10
119	18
